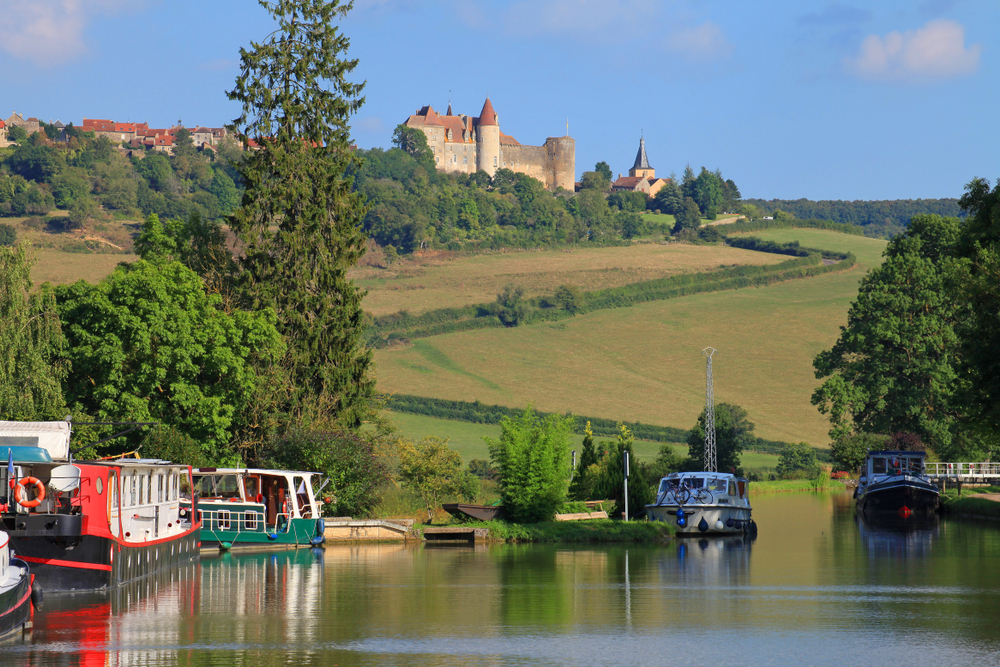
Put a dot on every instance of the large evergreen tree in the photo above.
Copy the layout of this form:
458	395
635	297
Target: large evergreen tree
300	221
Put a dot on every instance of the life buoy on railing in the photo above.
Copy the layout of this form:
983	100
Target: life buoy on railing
39	492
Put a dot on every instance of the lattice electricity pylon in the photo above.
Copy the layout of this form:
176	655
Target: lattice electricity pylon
710	464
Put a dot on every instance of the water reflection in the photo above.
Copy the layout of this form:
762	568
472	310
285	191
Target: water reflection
815	587
898	537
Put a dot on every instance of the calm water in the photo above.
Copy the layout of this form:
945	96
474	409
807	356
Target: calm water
815	588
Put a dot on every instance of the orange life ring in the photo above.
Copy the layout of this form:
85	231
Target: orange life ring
39	492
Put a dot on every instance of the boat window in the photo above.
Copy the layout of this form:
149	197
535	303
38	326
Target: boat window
133	489
915	466
666	484
143	490
159	488
113	483
720	485
185	486
251	485
227	486
732	488
694	482
878	466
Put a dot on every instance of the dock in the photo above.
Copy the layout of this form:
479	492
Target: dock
345	529
467	534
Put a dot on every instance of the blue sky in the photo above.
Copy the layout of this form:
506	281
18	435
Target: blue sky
797	98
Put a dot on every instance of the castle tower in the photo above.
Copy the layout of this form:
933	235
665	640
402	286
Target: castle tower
641	167
560	167
488	140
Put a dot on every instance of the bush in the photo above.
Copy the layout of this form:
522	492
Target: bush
8	235
531	458
798	461
849	452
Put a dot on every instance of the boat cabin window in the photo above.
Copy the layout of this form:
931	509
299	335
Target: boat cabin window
184	486
732	488
914	466
878	465
667	484
720	485
251	484
133	490
694	482
218	486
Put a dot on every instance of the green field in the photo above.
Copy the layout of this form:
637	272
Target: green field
467	440
427	283
645	364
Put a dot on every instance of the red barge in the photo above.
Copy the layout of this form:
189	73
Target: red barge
89	525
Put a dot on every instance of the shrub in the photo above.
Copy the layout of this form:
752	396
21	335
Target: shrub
798	461
8	235
531	458
434	470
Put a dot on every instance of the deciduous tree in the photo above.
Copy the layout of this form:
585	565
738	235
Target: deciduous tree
733	434
434	470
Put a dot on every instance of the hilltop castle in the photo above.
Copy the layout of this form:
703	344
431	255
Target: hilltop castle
466	145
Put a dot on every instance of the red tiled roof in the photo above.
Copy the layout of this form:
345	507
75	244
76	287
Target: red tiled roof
488	116
432	117
627	182
97	125
2	124
454	123
509	140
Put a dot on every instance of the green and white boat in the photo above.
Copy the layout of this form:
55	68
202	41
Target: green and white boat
251	508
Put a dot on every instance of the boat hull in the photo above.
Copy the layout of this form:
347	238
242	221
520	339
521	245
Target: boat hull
240	526
15	598
703	519
901	495
92	562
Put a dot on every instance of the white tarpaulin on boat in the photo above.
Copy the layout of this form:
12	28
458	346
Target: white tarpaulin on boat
53	436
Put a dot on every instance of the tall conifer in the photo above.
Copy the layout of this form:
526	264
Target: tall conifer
299	221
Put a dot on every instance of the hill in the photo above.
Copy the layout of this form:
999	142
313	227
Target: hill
644	363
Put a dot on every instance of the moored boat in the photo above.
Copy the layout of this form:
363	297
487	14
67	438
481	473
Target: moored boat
896	481
15	589
87	525
701	503
253	508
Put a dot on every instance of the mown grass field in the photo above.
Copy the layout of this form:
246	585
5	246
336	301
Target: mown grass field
65	257
420	285
467	440
645	363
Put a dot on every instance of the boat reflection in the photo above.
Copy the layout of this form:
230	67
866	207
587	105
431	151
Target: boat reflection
230	599
719	561
894	536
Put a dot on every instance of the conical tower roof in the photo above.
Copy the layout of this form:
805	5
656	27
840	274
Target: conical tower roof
488	116
641	161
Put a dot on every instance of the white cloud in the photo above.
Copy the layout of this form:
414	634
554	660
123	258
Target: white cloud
702	43
935	51
50	32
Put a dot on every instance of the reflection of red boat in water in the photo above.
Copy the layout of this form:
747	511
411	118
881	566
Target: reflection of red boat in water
91	525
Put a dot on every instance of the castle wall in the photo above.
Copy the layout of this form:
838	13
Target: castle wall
528	160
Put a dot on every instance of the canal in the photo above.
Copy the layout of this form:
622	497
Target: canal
817	587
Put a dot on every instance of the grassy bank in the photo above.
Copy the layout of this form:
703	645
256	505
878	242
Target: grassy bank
970	503
579	532
786	485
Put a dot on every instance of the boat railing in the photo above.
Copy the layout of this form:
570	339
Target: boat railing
242	521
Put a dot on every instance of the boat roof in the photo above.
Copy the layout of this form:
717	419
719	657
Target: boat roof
690	473
250	471
896	452
51	436
26	454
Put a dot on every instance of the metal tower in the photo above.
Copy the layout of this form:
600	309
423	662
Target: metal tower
709	412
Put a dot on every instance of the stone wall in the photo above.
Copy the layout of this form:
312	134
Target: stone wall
530	160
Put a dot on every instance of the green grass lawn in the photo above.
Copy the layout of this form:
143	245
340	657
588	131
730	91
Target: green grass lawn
645	363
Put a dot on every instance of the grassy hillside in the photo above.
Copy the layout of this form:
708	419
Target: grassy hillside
438	281
645	363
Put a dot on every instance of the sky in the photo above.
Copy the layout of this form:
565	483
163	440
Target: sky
789	99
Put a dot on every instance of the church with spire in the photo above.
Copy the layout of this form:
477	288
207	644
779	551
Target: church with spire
466	144
641	177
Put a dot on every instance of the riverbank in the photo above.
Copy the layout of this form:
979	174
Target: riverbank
786	485
972	503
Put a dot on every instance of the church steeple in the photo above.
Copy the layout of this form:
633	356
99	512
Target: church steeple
641	167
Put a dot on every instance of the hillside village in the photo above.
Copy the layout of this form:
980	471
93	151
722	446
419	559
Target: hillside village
135	135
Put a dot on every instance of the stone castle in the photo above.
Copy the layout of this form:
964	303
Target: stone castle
465	145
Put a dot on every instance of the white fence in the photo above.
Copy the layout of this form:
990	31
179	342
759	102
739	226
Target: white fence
963	471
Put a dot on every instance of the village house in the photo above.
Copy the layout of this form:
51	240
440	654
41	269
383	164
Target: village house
641	177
